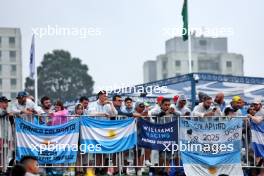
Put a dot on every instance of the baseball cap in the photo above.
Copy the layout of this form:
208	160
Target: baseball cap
22	94
236	98
4	99
257	101
139	104
182	97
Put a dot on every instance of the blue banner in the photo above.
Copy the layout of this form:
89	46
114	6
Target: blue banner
157	136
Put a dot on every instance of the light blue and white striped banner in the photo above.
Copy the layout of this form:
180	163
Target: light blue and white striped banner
257	132
211	147
107	136
49	144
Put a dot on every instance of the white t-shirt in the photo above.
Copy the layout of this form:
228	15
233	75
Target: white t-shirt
97	107
200	110
179	110
17	108
260	113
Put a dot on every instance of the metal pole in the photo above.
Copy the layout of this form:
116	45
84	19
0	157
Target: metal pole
193	90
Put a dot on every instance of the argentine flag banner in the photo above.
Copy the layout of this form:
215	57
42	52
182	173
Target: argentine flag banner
107	136
211	148
257	132
49	144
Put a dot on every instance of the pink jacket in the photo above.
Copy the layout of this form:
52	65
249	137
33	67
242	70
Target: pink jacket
59	117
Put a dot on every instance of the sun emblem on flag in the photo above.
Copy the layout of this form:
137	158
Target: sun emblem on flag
212	170
47	142
111	134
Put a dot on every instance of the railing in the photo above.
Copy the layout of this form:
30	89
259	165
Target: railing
133	158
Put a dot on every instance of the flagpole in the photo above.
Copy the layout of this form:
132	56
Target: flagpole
190	53
189	40
36	73
36	84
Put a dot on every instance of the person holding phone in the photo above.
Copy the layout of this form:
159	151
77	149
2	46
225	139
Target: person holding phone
205	109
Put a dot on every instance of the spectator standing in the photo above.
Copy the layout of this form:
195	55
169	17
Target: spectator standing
3	106
117	102
60	115
156	108
257	116
140	108
259	112
5	129
204	109
25	107
181	106
85	102
128	108
46	105
102	108
219	101
46	108
236	105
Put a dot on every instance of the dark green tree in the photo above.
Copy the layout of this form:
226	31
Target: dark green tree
61	76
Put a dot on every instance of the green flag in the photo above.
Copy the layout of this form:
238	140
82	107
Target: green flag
185	21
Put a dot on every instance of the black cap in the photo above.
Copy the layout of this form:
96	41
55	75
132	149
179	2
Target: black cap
22	94
4	99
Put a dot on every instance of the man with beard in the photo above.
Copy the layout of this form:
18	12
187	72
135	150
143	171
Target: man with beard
259	112
46	107
204	109
25	107
85	102
46	104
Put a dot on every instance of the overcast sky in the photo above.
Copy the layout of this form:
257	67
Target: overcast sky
132	31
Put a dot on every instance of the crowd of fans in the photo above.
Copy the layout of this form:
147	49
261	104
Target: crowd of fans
163	111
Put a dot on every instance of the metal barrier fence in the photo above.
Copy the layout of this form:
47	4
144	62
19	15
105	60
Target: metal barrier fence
133	158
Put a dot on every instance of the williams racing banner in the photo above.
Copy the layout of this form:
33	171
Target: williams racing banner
49	144
211	148
157	136
107	136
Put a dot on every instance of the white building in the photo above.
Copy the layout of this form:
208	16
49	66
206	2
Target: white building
10	62
209	55
150	71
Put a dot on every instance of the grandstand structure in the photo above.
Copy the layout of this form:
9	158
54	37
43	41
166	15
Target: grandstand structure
247	87
190	84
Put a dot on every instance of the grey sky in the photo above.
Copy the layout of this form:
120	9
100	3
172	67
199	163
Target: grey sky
132	31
